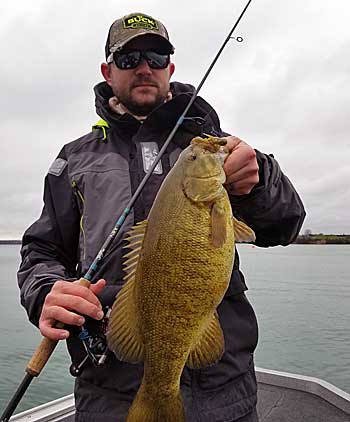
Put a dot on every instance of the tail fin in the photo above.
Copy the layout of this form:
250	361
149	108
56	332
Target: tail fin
157	410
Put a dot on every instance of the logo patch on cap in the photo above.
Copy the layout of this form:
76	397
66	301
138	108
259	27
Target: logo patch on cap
140	21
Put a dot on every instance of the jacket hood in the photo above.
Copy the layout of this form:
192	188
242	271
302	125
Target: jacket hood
103	93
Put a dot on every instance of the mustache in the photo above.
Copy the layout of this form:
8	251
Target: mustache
142	80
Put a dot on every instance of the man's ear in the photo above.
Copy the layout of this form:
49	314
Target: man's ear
106	72
171	68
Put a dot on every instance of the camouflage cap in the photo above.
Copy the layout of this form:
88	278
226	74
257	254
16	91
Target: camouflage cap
134	25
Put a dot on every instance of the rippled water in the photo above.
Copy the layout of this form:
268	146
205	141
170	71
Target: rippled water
18	341
301	296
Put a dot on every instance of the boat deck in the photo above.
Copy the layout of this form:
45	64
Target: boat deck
278	404
282	397
285	397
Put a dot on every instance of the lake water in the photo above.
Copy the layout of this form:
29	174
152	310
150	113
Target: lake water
301	295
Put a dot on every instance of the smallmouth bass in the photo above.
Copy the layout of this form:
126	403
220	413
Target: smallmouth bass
178	271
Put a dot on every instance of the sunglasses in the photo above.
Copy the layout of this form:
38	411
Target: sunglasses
131	59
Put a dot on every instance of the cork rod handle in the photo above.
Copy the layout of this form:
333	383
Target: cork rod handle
46	347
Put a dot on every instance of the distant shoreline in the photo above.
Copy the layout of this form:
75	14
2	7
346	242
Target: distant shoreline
10	242
323	239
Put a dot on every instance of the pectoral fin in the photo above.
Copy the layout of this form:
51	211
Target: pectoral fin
242	232
210	346
218	224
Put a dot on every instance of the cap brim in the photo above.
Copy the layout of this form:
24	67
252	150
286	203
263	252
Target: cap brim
163	42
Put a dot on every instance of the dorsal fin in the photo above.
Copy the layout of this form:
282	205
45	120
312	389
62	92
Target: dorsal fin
123	334
134	238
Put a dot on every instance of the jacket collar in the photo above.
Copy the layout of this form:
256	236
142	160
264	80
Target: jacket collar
163	117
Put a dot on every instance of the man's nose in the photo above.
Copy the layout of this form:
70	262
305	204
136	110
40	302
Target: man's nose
143	67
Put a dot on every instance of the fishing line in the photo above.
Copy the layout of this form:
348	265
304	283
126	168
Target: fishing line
47	346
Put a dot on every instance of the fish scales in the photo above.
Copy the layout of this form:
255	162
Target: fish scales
166	315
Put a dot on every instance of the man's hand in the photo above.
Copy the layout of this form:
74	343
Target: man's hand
65	302
241	167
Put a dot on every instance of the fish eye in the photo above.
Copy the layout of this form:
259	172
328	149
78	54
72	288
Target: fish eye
191	157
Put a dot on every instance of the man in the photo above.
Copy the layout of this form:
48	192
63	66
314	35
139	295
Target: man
89	185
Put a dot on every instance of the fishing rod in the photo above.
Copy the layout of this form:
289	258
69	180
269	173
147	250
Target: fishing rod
47	346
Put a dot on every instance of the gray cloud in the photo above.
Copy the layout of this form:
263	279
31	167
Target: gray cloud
285	89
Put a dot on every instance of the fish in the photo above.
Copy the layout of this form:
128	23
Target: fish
178	268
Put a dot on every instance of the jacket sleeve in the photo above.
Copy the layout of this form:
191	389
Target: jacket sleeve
49	246
273	209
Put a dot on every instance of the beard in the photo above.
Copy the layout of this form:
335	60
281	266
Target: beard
138	107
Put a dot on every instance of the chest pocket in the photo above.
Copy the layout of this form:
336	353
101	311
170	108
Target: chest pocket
102	188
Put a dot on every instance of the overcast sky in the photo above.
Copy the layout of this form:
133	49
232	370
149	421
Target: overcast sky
285	89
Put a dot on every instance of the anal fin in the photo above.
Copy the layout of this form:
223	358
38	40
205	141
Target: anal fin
210	347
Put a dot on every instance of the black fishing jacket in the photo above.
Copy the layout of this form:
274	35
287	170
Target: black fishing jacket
86	190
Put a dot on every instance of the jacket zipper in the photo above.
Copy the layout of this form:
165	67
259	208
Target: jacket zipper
81	201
